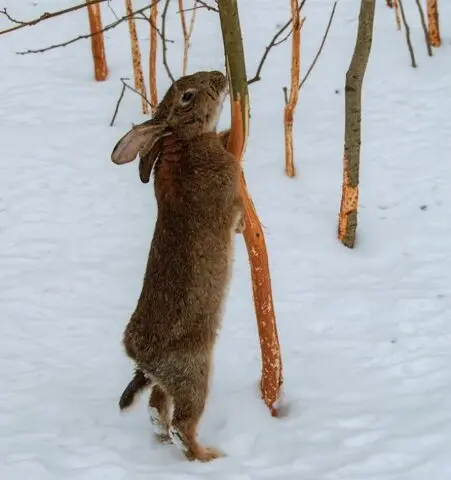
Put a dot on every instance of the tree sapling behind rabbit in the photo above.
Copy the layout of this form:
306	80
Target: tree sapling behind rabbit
171	334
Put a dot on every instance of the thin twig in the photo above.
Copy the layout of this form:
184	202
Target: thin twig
143	16
323	41
136	91
425	28
45	16
268	48
200	4
118	103
83	37
165	48
125	86
115	15
284	39
409	42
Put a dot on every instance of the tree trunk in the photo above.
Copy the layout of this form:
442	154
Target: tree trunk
153	57
97	42
353	90
187	32
271	379
136	58
290	105
424	27
434	29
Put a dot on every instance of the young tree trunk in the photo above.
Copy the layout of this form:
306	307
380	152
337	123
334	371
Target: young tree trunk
354	78
424	27
97	42
136	58
394	4
290	105
434	29
187	32
153	57
272	379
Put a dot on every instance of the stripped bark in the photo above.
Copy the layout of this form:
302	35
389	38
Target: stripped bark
353	92
397	14
136	58
187	32
290	106
97	42
153	56
434	29
272	378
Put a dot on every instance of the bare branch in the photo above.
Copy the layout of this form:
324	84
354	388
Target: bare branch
125	86
136	91
143	16
409	42
284	39
45	16
118	103
83	37
271	44
323	41
165	48
199	4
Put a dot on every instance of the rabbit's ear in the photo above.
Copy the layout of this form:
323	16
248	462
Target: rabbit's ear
140	137
147	160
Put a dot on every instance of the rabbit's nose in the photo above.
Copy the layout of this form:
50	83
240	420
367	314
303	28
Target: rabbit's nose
218	80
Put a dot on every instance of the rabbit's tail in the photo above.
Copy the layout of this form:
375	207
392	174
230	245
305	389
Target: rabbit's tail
137	384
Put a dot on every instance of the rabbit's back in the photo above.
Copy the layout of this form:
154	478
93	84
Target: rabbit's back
190	258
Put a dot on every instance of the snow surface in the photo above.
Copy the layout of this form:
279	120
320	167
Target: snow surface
366	334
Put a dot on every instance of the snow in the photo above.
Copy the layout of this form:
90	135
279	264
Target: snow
365	333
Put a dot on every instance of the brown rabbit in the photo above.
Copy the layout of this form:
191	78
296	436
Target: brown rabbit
172	332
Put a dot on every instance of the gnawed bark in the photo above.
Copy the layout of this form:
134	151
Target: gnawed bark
271	379
353	113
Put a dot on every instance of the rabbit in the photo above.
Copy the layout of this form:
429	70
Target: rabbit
171	334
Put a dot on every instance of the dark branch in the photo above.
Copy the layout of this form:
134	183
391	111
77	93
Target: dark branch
284	39
323	41
88	35
118	103
165	47
143	16
271	44
407	29
125	86
45	16
201	4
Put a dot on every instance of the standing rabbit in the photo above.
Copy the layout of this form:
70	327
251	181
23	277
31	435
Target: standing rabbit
172	332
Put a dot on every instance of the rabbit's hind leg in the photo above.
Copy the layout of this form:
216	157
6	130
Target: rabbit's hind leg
189	393
160	414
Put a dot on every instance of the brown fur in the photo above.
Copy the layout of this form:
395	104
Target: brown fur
172	332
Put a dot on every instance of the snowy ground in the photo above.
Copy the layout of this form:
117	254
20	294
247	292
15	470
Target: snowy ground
366	334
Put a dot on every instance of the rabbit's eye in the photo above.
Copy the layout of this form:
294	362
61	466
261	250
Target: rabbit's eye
187	97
